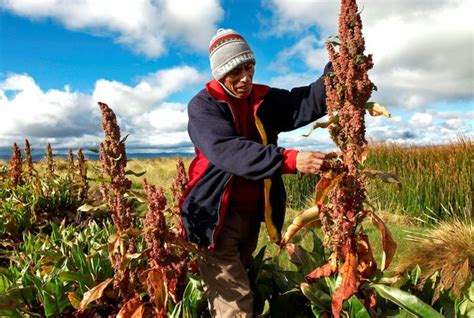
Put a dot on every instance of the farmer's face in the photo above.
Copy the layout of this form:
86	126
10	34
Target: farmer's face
239	80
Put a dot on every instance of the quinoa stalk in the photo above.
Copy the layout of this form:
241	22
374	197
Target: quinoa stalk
165	257
70	164
178	189
29	159
348	89
49	161
82	175
16	169
113	160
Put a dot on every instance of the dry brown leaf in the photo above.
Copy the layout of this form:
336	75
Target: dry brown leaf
308	218
93	294
74	300
389	247
157	280
367	264
134	308
327	183
323	271
376	109
349	284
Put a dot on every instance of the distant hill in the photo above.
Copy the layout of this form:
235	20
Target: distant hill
5	154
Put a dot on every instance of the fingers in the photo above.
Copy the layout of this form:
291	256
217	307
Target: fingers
318	155
310	162
316	164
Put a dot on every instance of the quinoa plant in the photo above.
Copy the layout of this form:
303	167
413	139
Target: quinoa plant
29	160
166	260
350	272
82	175
113	160
348	91
178	187
163	275
70	164
340	194
49	161
16	169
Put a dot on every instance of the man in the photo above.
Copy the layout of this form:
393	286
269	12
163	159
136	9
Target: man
235	179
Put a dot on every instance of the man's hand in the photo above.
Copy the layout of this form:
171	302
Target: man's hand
309	161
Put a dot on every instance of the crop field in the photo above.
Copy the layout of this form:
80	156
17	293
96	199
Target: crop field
383	230
57	237
118	228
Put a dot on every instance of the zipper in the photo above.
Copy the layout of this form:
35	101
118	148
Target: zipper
219	225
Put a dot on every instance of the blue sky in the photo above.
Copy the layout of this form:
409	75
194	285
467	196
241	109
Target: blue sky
146	59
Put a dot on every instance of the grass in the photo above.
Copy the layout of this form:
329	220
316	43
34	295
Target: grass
445	248
159	172
433	178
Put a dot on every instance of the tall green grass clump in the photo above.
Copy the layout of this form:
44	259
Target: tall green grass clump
434	179
299	189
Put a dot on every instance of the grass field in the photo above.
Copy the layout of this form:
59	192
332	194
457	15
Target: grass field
436	180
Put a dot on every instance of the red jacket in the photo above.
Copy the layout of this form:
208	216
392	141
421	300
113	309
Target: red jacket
222	153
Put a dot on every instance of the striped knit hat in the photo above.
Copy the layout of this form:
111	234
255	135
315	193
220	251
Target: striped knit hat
227	50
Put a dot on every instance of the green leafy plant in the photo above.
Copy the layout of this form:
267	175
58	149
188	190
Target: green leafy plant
47	274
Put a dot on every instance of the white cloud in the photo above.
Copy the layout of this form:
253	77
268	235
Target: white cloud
31	112
167	118
420	128
195	21
291	80
423	50
145	26
293	16
319	140
454	124
309	49
68	118
150	91
421	119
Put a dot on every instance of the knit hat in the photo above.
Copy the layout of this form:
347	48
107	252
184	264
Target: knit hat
227	50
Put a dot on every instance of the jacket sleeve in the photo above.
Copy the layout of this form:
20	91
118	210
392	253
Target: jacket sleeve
213	133
289	110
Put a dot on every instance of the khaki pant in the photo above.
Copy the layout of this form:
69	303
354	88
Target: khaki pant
223	271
